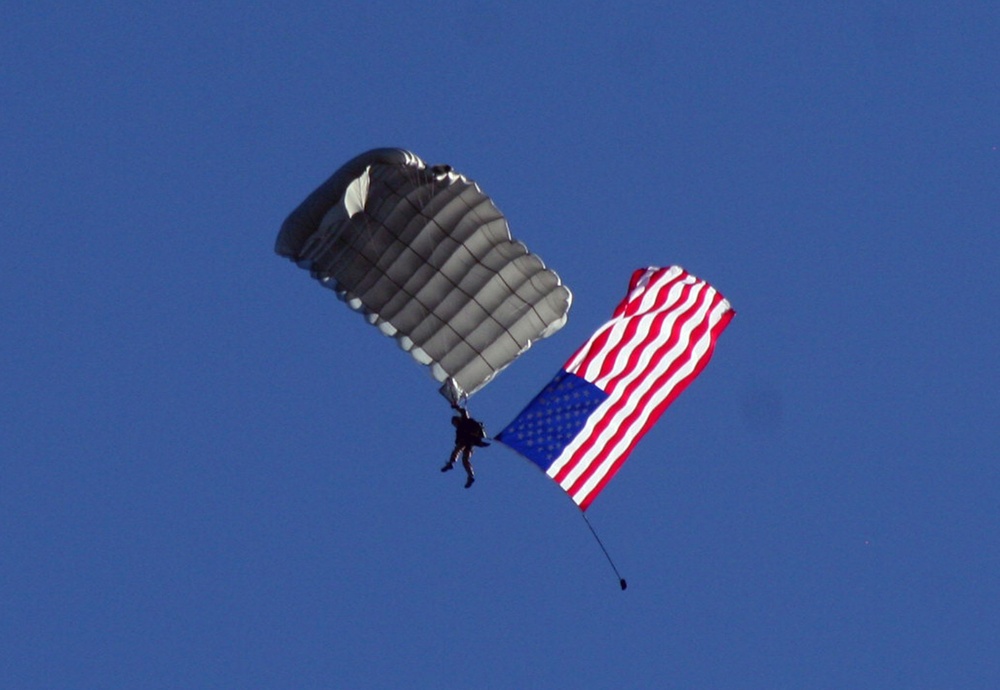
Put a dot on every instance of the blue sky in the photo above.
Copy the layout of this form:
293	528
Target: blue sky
215	475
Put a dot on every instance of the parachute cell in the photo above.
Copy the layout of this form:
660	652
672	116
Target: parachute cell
428	258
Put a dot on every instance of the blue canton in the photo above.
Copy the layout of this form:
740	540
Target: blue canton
553	418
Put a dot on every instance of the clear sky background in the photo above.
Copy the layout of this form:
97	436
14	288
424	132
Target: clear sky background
214	475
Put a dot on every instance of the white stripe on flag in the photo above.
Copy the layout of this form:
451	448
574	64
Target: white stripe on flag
626	359
646	342
657	341
615	441
636	383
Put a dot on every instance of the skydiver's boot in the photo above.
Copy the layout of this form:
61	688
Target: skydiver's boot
450	465
469	479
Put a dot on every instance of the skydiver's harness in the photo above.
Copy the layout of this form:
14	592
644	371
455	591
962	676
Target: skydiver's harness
469	432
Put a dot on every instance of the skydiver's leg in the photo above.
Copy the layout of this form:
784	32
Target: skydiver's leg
451	461
470	476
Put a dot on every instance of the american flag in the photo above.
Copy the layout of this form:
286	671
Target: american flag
581	428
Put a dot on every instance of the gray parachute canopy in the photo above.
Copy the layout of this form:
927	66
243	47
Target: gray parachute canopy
428	258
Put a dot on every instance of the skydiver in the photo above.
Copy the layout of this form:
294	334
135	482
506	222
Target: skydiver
469	433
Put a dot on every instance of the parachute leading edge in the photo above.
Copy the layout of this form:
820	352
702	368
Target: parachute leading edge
429	260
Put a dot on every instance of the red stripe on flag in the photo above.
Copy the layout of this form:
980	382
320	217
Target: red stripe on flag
626	426
598	342
653	343
630	381
654	415
598	349
633	381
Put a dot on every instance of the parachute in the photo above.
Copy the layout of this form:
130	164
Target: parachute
429	260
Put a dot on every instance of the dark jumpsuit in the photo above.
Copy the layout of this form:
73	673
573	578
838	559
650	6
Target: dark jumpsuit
468	434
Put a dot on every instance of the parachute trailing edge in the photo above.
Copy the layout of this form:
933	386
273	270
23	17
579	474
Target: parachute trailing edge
425	255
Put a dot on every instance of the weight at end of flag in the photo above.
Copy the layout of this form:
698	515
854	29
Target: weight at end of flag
621	580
